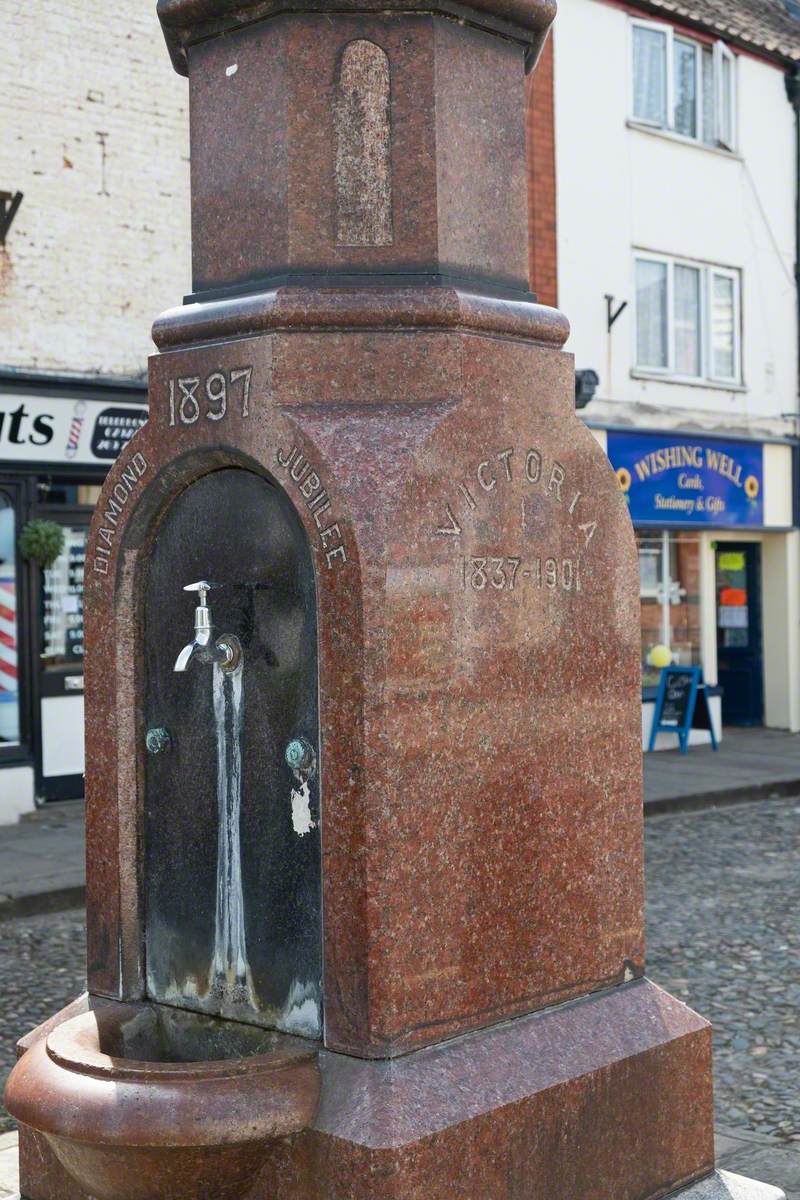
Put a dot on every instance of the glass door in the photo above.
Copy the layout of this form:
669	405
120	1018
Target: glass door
739	638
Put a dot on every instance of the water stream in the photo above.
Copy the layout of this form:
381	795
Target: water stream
229	971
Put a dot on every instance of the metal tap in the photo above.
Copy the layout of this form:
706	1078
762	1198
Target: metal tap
226	650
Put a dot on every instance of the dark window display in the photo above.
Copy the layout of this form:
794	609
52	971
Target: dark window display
62	602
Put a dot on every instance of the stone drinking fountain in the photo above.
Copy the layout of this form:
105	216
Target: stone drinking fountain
365	881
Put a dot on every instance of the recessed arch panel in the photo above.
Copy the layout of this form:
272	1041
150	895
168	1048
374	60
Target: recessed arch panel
231	834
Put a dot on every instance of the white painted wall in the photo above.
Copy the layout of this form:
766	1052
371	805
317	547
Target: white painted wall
781	567
16	794
620	188
778	486
98	248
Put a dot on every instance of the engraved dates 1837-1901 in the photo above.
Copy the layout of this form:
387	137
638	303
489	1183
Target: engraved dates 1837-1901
506	573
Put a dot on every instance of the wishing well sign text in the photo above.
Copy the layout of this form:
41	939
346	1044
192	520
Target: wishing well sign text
675	480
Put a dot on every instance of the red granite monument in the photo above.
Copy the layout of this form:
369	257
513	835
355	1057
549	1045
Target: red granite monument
365	877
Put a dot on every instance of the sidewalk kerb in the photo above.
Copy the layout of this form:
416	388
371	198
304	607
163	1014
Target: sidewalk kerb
773	790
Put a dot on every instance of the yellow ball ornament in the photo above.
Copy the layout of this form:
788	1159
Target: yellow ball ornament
660	656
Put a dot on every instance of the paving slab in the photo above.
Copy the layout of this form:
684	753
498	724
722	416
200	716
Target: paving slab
769	1159
751	764
9	1165
42	865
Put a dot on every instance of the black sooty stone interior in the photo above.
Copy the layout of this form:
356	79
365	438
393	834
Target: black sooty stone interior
233	889
159	1034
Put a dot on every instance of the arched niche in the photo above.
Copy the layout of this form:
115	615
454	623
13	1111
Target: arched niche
232	886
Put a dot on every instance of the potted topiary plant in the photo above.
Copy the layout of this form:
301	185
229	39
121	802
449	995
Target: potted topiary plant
41	542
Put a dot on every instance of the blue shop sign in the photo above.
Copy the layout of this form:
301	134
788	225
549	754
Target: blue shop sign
671	479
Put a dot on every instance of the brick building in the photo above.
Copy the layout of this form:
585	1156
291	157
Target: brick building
94	206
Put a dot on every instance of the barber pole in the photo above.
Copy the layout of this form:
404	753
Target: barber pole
8	653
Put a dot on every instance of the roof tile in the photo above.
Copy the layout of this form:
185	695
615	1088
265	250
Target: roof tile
763	24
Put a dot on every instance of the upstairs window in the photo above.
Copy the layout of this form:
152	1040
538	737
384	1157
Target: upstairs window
687	320
683	86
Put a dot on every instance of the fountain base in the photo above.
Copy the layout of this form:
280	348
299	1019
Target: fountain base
144	1102
608	1096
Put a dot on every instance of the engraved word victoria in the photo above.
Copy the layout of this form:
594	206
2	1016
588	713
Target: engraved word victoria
542	480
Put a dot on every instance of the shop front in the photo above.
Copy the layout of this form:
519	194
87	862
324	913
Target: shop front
57	442
718	556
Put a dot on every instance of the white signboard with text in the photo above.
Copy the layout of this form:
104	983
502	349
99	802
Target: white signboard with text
56	430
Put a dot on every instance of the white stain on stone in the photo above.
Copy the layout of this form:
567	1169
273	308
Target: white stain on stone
301	1014
232	69
229	968
301	811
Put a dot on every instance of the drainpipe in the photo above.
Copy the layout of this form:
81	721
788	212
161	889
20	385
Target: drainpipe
793	92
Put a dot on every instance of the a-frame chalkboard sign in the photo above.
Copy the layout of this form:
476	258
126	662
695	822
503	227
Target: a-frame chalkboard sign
681	705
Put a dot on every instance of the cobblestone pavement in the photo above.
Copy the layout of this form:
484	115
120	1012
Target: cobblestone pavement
41	970
724	935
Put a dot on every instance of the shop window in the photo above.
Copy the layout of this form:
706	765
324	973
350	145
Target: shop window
683	86
9	672
62	602
669	570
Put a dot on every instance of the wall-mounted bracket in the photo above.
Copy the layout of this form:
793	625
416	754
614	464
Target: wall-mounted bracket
9	204
614	315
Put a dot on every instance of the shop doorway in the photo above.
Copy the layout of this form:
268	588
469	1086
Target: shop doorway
740	660
60	751
58	642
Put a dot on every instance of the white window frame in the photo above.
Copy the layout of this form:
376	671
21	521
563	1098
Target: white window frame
668	592
656	258
653	27
721	53
736	277
707	271
671	323
698	87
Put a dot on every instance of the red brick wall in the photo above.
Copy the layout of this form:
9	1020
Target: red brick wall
542	179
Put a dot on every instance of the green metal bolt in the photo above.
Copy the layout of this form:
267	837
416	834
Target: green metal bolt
299	755
157	740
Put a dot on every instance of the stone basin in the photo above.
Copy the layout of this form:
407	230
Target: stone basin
144	1102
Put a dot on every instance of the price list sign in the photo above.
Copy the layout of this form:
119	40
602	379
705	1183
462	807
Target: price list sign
63	602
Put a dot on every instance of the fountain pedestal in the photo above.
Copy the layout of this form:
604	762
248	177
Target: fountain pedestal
362	424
